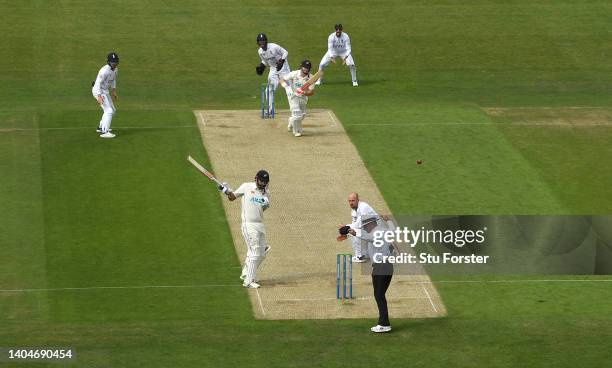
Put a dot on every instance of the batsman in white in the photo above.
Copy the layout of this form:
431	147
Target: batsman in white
359	210
104	86
339	46
297	102
255	200
274	57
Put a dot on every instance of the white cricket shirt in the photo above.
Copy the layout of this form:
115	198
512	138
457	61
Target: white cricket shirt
254	202
296	80
339	46
272	55
363	210
106	79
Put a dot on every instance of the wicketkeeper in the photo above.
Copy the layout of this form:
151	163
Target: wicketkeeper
274	57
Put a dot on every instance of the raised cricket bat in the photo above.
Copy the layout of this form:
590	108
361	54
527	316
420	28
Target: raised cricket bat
204	172
310	82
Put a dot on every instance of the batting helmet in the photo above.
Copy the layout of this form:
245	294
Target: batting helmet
112	58
338	27
263	176
262	37
306	64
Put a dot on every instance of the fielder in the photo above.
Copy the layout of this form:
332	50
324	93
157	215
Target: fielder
359	210
104	86
339	46
255	200
297	102
275	57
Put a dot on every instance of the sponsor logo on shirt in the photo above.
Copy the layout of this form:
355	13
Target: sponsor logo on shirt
258	200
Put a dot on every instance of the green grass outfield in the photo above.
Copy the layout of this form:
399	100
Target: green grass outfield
80	212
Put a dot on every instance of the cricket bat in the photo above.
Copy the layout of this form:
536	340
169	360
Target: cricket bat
310	82
204	172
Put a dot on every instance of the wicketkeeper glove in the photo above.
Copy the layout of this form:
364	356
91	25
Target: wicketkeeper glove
279	64
259	69
344	230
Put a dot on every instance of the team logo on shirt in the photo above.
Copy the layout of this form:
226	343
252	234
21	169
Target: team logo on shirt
258	200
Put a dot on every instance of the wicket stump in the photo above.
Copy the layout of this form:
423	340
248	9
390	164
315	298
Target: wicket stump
268	92
343	278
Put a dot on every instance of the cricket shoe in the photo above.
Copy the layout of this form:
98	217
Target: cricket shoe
297	135
99	130
243	277
289	127
107	135
361	259
355	84
252	285
267	250
380	329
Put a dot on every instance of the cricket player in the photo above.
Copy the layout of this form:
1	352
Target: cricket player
274	57
255	200
359	210
382	270
297	102
103	88
339	46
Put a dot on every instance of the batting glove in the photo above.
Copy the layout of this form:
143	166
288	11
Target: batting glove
224	188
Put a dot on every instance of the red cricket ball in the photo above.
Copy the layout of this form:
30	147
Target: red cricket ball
419	162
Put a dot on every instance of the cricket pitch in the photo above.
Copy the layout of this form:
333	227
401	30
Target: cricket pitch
310	179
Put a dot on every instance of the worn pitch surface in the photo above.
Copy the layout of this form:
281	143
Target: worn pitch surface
311	177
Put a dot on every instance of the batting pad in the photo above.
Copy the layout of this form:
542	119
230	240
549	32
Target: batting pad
310	179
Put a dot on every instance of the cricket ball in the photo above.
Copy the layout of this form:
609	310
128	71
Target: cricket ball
419	162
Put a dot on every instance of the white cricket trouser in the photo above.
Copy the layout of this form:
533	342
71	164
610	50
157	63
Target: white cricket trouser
273	80
254	234
356	246
297	105
109	110
327	58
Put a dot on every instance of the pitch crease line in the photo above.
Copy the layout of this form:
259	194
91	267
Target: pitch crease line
263	311
430	301
332	118
202	118
358	298
220	285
